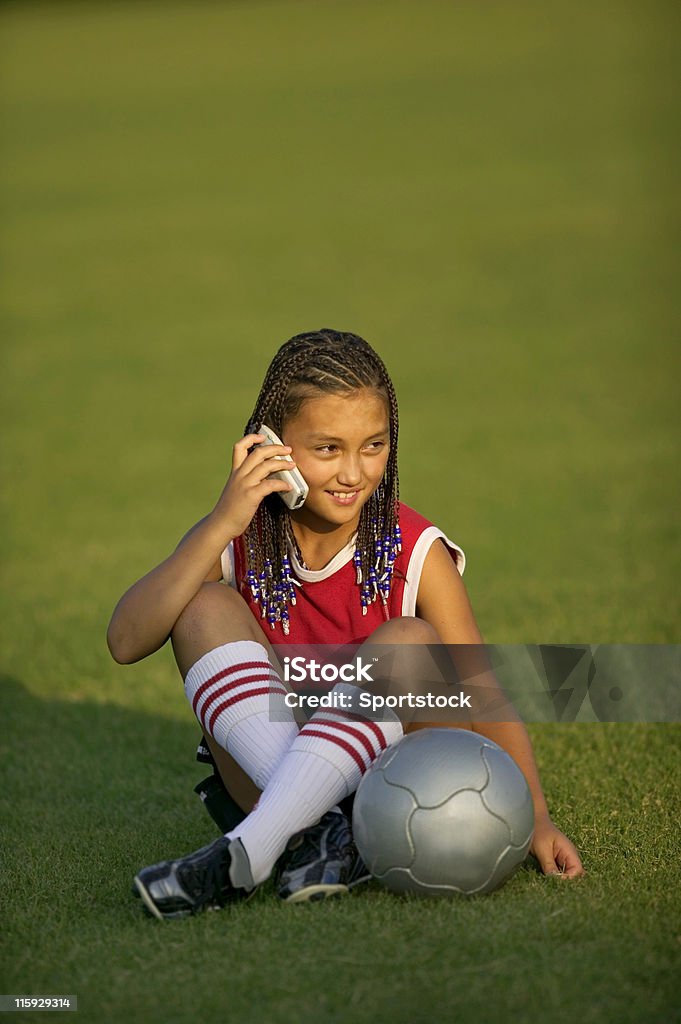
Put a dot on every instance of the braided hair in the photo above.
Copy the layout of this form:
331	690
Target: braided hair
307	366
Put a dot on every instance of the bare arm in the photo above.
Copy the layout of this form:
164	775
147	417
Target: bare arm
443	602
144	617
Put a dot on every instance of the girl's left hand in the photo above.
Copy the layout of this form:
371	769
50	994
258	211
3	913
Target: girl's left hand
554	851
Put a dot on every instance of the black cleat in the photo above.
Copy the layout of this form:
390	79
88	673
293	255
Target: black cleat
207	879
321	862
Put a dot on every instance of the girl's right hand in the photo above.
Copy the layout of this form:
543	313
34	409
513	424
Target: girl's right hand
249	482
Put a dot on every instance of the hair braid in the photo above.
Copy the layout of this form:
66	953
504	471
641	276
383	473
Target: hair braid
310	364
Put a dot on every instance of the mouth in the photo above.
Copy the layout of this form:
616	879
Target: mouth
343	497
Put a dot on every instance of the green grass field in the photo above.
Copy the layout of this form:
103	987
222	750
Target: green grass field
488	195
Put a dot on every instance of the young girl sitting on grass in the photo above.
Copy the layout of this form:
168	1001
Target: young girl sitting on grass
352	565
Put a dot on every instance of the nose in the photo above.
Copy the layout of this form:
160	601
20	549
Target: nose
349	472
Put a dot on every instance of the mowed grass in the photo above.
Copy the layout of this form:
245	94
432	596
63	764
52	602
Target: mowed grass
486	194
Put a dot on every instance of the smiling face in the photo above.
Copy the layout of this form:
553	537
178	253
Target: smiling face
340	444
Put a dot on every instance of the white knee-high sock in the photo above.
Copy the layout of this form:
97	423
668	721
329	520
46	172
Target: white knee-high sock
238	699
324	764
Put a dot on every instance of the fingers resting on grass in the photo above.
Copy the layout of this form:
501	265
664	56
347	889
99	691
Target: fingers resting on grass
554	851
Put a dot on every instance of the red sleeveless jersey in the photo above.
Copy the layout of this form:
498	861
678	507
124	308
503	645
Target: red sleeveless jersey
328	609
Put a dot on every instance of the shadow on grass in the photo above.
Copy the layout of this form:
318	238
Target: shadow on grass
90	793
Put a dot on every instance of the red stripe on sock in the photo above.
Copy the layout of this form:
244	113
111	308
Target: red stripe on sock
344	727
227	672
258	677
378	733
347	747
235	684
235	700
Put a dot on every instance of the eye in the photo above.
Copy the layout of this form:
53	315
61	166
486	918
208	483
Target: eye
375	446
327	449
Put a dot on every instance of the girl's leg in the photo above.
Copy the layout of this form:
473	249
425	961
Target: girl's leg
232	682
217	615
323	766
410	659
234	691
238	698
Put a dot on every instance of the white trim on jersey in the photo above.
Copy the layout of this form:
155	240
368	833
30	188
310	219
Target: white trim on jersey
227	565
415	567
340	559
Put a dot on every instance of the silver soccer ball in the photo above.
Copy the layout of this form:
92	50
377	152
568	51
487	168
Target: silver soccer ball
443	812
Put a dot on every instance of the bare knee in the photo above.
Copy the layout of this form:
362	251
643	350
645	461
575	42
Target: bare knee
216	615
408	654
212	600
406	629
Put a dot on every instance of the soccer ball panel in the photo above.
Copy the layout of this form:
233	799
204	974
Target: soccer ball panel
438	763
507	794
457	843
387	755
402	880
380	823
508	862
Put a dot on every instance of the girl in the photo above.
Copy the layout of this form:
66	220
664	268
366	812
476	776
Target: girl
352	565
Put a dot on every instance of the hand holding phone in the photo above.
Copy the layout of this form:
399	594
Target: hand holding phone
295	497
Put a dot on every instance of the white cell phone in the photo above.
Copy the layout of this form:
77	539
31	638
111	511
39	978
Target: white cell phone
295	497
